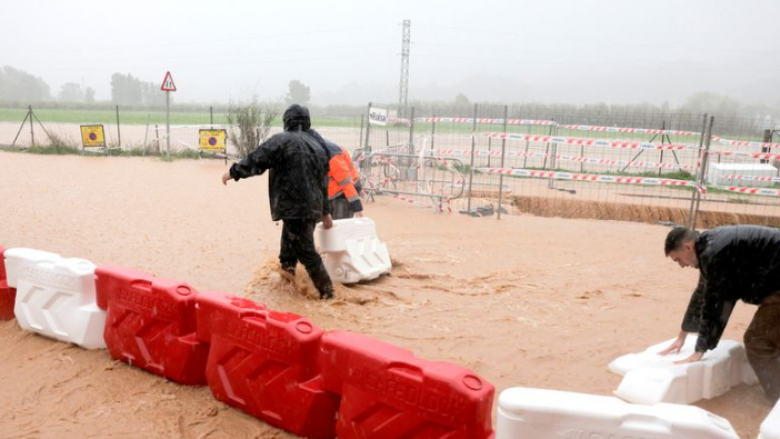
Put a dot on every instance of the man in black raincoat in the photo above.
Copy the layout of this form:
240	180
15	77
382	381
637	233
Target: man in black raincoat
734	263
297	190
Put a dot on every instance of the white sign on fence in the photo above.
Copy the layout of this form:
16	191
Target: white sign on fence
377	116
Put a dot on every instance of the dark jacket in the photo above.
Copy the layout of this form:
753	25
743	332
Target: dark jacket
735	263
298	169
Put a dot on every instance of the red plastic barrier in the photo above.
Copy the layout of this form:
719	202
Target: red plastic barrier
7	294
265	363
388	393
151	323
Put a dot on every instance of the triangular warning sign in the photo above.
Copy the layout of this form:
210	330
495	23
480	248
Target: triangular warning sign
168	84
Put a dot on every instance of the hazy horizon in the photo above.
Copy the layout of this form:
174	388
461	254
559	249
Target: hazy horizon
348	52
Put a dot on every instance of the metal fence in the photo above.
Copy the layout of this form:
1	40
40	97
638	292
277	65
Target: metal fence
666	167
485	160
144	130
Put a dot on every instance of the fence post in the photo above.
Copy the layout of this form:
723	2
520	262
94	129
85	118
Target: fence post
32	131
21	127
696	193
362	119
473	147
703	175
433	133
368	127
365	166
118	131
411	132
503	154
552	148
661	161
767	139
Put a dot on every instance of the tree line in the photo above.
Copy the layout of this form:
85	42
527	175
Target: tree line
20	86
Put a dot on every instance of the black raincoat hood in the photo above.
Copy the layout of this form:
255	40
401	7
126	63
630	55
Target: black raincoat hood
296	116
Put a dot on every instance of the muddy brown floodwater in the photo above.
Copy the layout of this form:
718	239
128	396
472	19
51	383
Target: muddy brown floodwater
524	301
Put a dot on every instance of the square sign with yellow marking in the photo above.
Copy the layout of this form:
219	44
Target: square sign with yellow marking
213	140
92	135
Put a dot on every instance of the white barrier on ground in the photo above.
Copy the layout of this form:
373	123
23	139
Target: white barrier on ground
352	251
649	378
56	296
550	414
770	428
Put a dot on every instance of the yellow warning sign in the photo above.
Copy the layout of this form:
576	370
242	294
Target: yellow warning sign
92	135
213	140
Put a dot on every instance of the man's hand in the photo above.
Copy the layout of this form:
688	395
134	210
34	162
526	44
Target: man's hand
676	346
359	214
696	356
327	222
226	177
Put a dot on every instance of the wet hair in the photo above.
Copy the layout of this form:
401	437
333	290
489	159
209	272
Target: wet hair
677	237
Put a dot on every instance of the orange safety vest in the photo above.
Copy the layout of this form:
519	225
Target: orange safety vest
342	177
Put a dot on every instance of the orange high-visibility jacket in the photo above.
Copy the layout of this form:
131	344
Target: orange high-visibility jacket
343	176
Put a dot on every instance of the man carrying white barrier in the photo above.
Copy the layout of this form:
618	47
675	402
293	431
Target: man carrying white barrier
297	191
734	263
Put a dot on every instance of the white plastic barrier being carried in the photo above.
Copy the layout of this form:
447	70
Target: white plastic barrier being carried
55	296
649	378
550	414
352	251
770	428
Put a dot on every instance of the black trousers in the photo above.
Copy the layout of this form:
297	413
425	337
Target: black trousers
339	208
762	344
298	246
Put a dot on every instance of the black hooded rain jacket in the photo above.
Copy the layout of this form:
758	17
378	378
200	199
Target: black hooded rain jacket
297	166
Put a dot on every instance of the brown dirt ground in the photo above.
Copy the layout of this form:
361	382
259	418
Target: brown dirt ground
525	301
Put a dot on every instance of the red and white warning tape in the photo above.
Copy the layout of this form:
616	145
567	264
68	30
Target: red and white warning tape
580	159
485	120
748	143
589	142
553	123
629	130
752	190
556	175
751	178
754	155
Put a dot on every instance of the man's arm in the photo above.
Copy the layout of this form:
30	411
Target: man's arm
715	313
691	319
257	162
716	309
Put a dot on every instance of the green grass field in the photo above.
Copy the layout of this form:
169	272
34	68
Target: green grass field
106	117
443	129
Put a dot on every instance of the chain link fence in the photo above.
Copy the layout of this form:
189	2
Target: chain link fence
676	168
485	160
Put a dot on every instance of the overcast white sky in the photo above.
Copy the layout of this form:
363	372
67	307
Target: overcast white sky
348	51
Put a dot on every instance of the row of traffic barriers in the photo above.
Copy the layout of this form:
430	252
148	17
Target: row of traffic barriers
277	366
283	369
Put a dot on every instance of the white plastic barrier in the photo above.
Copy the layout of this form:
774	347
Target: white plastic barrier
650	378
550	414
352	251
770	428
55	296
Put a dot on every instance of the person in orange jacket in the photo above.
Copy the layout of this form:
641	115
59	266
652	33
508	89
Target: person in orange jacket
343	181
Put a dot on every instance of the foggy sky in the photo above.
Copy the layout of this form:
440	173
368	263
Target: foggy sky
348	52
